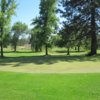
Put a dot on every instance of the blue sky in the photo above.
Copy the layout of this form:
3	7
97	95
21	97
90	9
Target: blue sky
26	11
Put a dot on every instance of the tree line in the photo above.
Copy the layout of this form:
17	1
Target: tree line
63	23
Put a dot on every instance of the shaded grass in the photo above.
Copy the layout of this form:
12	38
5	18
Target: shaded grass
27	61
39	58
49	59
16	86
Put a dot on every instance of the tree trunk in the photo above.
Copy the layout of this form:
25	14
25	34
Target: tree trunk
46	50
75	48
68	51
78	48
1	44
40	49
36	48
93	33
15	47
2	50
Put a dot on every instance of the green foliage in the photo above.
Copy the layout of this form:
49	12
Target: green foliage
48	20
83	16
7	8
48	17
36	35
6	39
18	29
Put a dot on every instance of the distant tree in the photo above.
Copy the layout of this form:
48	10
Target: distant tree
18	29
35	40
66	40
7	8
36	35
24	41
6	39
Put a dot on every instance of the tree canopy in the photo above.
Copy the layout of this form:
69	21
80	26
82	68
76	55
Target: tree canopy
17	30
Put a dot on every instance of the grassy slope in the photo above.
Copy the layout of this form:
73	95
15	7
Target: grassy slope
16	86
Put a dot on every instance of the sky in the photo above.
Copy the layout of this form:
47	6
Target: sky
26	11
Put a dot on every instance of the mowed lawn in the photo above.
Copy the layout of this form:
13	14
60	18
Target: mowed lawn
53	77
57	62
17	86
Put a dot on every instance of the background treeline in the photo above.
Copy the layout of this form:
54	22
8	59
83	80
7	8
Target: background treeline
73	24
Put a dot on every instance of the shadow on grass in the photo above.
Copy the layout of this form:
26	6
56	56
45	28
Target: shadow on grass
65	51
39	60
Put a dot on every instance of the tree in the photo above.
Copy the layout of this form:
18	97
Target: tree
36	42
66	40
18	29
87	12
48	20
36	35
7	8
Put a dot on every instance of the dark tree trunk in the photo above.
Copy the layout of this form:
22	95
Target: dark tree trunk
78	48
1	44
40	49
46	49
2	50
68	51
36	49
75	48
15	48
93	33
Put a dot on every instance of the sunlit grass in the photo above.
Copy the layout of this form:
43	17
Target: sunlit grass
16	86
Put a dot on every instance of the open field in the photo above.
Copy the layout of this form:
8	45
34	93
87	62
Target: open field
17	86
56	62
54	77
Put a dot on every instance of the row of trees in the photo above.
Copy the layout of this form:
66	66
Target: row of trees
82	22
80	26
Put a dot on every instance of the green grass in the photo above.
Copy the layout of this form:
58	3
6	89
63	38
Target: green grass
56	62
55	86
17	86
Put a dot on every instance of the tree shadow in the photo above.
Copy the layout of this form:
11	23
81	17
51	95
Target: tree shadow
49	60
65	51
